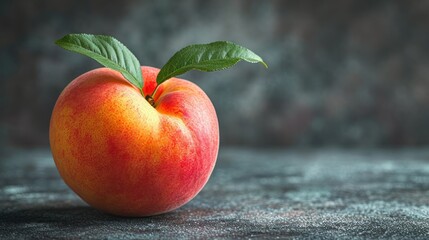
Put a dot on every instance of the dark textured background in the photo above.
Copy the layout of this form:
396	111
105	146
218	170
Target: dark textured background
342	73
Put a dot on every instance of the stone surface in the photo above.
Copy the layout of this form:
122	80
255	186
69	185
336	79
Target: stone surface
252	194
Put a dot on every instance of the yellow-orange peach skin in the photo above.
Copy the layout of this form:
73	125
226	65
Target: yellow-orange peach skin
125	157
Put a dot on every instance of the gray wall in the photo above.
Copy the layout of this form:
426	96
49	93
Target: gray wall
342	73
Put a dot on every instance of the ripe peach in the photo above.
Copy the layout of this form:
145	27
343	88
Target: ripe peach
124	156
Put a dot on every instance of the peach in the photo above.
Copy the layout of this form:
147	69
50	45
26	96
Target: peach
126	157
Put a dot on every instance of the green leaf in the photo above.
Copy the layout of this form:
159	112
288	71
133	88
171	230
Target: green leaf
108	51
206	57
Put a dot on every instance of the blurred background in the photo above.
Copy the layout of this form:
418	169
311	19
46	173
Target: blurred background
348	73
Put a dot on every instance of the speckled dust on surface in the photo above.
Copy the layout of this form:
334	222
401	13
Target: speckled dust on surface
257	194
